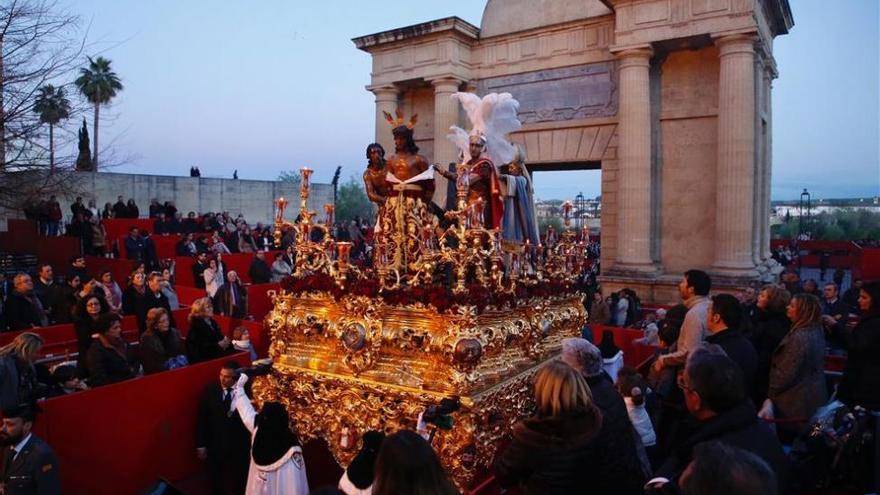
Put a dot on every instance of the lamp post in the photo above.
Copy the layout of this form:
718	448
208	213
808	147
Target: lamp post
580	205
804	208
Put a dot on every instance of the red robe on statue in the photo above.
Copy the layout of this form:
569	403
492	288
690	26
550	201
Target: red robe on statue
488	188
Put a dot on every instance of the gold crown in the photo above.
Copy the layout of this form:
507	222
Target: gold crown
399	120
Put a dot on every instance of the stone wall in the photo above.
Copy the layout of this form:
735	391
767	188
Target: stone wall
253	198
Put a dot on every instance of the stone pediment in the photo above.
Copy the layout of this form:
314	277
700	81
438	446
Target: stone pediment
512	16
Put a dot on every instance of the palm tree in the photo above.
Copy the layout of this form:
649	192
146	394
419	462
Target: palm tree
99	85
53	107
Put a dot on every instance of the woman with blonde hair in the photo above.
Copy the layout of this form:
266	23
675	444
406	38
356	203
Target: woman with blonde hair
18	378
797	372
205	340
768	328
549	451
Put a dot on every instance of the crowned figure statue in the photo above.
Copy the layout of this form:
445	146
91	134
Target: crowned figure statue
520	223
403	197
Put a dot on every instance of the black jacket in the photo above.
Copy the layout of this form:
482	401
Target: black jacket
860	383
738	348
768	329
222	434
106	365
137	304
85	328
223	302
547	456
156	349
201	342
34	470
260	272
198	270
738	427
20	313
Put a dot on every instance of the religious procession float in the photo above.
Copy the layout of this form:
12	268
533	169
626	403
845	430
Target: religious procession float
444	327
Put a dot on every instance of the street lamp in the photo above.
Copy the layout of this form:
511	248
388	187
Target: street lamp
804	211
580	204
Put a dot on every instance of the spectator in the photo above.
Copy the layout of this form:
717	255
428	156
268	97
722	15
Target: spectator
851	296
66	381
221	438
163	225
78	269
246	242
108	358
218	246
615	451
205	340
213	276
45	288
621	309
119	208
160	347
407	464
166	286
155	209
725	316
198	270
131	209
186	246
85	324
230	298
277	464
153	298
716	399
721	469
357	479
134	296
54	217
259	270
797	372
135	247
634	389
749	301
31	466
241	342
548	452
18	377
77	207
112	292
263	238
600	314
694	289
98	237
170	210
860	384
834	310
280	268
190	225
107	212
93	209
768	329
652	329
811	287
23	308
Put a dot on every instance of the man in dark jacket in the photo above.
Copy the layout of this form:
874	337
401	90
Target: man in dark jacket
119	208
23	308
154	299
46	289
720	409
221	438
186	246
723	324
134	246
230	299
30	466
259	271
198	270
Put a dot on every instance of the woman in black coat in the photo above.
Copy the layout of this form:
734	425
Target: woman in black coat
860	384
549	452
160	347
205	340
85	323
108	360
770	326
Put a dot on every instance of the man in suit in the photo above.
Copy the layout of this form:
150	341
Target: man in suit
30	466
198	270
221	438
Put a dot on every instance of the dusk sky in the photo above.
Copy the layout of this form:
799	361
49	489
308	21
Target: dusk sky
274	85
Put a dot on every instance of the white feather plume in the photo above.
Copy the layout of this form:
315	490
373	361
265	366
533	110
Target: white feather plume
493	116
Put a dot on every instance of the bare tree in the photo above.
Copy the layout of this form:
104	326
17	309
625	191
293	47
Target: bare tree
40	44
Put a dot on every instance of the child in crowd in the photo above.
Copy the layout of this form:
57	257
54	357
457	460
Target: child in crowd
241	340
66	381
634	389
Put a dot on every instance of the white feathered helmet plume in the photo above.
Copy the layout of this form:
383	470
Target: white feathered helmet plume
492	117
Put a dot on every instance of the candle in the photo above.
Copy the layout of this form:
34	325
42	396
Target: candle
343	250
329	209
306	173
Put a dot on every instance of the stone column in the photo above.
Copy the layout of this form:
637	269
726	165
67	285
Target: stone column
736	157
769	75
634	162
386	101
446	111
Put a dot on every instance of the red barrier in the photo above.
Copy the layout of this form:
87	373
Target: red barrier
868	264
259	303
187	295
23	238
121	437
633	354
